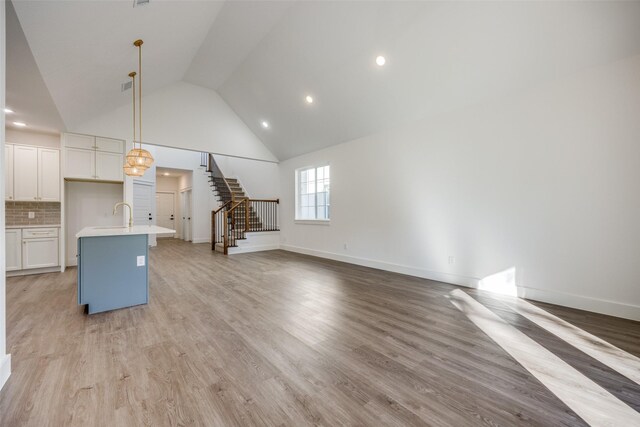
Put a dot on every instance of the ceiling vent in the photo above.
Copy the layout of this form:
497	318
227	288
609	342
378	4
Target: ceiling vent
140	3
126	86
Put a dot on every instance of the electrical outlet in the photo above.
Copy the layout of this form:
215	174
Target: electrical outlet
452	259
32	215
141	260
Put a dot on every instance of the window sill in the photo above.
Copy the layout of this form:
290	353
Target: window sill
313	221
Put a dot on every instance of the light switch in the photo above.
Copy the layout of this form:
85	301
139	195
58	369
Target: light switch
141	261
32	215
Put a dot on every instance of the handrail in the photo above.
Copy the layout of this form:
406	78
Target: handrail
216	172
265	200
221	207
233	207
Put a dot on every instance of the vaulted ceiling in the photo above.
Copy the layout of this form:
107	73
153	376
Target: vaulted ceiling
264	57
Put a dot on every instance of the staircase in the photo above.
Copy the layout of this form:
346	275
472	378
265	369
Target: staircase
238	216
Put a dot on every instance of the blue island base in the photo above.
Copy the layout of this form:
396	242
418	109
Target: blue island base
109	272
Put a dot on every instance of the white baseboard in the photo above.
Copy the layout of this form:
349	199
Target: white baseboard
611	308
253	248
5	369
201	240
30	271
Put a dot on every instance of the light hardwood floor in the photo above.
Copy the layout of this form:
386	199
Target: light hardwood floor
277	338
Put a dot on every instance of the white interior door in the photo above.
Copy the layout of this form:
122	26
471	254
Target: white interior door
186	215
144	206
165	204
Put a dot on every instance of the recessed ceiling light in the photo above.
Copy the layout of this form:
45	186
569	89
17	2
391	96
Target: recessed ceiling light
8	110
309	99
21	124
166	174
265	124
380	60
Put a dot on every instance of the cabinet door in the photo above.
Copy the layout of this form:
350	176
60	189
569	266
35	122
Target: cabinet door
74	140
25	173
8	172
48	175
109	145
40	253
109	166
13	240
79	163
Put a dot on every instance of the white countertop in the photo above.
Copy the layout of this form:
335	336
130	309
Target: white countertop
34	226
123	231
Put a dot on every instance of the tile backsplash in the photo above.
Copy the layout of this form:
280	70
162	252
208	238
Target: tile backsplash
46	213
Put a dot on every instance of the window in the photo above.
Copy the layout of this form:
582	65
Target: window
312	193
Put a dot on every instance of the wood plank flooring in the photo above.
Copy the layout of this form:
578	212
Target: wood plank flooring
281	339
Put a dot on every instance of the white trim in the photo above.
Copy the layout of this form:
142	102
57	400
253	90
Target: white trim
313	221
28	272
5	369
201	240
580	302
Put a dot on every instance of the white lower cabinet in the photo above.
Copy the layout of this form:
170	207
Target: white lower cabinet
13	240
39	253
31	248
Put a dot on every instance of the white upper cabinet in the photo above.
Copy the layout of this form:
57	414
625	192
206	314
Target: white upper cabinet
35	174
79	163
79	141
25	173
48	175
8	172
93	158
109	145
109	166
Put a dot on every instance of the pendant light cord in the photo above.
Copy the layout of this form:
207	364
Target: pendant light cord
133	92
140	90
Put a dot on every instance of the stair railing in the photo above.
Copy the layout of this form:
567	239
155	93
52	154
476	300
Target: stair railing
216	172
218	221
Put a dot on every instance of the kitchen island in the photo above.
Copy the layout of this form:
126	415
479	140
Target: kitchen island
113	267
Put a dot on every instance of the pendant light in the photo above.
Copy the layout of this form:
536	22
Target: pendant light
138	160
128	169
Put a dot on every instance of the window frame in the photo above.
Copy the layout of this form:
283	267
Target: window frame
297	207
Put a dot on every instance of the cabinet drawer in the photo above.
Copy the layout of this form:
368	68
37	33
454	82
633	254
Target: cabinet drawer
109	145
37	233
79	141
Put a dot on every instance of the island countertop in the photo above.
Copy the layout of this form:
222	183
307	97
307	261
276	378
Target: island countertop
122	231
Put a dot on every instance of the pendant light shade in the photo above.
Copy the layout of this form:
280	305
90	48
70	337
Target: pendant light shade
138	160
133	170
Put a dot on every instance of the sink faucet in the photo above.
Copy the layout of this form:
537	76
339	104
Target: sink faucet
117	205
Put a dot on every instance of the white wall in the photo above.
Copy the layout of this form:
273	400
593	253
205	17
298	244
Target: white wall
183	115
259	179
32	138
545	182
5	359
89	204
